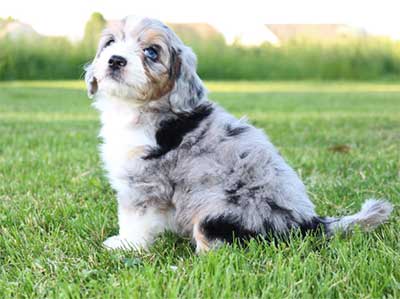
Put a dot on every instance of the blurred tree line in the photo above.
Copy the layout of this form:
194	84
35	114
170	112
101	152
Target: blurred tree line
43	57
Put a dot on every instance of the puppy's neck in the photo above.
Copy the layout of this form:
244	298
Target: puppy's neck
118	112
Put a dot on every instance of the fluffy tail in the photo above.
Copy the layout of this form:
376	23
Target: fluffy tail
373	213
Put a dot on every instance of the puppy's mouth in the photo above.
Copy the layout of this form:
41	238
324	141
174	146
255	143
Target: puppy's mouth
115	75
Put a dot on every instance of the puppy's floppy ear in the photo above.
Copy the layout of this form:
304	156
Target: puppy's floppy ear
188	90
91	81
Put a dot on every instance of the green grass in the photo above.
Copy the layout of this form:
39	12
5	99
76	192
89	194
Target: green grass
56	206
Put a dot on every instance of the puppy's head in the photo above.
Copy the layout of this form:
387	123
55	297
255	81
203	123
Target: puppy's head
142	60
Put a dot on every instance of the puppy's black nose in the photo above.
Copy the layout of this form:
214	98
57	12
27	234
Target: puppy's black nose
116	62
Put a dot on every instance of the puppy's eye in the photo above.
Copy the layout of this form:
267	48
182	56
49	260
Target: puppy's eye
109	43
151	53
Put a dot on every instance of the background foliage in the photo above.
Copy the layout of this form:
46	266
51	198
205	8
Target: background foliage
363	58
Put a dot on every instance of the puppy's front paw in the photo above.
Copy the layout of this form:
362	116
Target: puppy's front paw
118	242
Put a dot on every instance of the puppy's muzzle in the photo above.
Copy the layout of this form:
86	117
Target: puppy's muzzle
116	62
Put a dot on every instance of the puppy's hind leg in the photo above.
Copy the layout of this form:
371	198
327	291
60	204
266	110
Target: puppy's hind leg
202	242
213	231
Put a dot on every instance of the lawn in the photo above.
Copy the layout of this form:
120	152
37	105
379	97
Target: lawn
56	206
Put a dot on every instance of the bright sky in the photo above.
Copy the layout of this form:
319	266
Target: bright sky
68	17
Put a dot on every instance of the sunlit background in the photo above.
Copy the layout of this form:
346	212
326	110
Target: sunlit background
273	39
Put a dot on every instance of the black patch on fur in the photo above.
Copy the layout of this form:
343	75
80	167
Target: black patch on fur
231	192
235	131
234	199
235	188
226	228
315	227
316	224
188	144
243	155
171	131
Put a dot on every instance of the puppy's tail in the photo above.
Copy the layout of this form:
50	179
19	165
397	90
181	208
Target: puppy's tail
373	213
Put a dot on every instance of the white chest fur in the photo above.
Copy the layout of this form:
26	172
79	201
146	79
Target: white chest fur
124	137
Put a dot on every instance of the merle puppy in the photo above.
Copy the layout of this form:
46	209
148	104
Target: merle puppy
180	162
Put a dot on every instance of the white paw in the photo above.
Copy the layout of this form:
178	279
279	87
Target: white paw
118	242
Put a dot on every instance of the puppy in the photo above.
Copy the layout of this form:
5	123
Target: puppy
180	162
